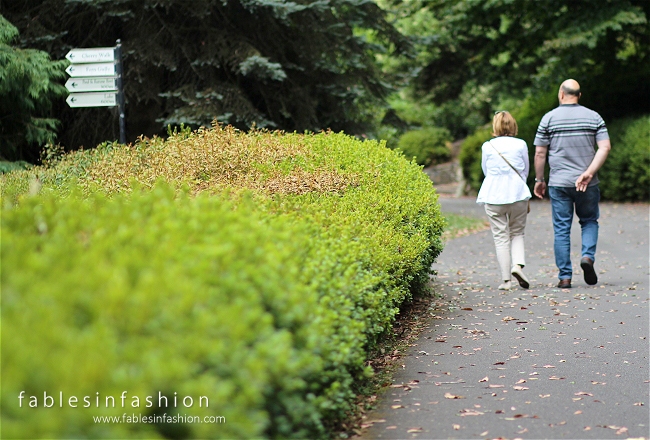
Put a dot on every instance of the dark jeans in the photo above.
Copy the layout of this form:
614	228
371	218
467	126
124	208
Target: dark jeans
563	201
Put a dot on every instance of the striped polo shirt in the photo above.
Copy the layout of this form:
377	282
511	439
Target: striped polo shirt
570	132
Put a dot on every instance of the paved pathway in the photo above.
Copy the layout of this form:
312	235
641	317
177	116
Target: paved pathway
541	363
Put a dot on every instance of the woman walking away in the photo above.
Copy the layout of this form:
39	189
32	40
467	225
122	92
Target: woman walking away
505	195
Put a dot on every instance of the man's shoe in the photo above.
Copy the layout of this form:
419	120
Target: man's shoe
519	275
564	284
587	265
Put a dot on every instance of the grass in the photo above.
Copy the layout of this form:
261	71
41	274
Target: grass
460	225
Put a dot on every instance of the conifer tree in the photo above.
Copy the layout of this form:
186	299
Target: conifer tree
29	82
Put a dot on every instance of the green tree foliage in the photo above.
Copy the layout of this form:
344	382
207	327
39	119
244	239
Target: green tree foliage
28	85
473	55
516	45
303	65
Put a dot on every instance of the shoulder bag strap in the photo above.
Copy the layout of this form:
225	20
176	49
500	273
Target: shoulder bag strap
502	157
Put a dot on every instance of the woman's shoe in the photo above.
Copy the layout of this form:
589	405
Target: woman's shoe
519	274
505	286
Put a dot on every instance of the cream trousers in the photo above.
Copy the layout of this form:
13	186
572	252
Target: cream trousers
508	223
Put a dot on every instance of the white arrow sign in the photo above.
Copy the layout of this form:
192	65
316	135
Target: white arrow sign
94	55
92	99
95	69
91	84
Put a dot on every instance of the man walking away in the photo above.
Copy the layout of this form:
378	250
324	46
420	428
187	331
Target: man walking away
577	144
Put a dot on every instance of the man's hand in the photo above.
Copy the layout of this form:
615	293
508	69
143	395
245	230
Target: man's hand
540	162
540	189
583	181
599	159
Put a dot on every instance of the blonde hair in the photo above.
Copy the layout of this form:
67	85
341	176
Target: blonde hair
503	124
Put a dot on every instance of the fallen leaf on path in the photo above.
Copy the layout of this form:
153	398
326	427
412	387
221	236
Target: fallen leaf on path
495	386
521	381
453	396
548	366
582	393
519	416
456	427
587	428
518	388
484	433
577	412
508	318
639	404
555	378
522	431
415	430
391	427
544	396
485	379
470	412
397	406
623	430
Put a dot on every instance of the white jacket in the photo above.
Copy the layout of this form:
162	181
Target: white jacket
502	185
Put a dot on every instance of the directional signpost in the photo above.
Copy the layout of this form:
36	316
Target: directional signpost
93	55
97	99
93	69
107	83
96	80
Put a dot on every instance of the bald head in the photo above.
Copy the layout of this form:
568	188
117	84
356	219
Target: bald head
569	92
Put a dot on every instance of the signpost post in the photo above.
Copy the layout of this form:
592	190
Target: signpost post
96	80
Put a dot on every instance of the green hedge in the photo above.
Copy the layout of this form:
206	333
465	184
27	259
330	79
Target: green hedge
258	295
427	146
625	176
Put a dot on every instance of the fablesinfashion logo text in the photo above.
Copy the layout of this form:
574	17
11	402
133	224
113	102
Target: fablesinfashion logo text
122	401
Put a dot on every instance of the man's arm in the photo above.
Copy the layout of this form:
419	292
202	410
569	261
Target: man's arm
540	163
604	147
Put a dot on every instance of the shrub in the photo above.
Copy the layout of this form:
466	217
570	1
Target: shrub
428	146
6	166
254	269
625	176
470	157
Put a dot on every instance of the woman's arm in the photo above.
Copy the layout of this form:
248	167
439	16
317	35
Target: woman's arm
526	159
484	160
